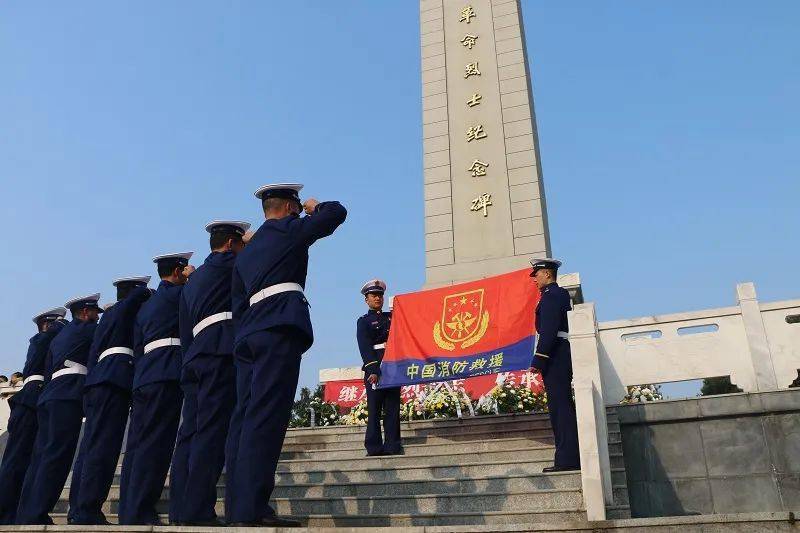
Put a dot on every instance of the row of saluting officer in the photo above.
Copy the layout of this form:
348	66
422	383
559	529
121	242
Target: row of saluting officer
206	368
222	420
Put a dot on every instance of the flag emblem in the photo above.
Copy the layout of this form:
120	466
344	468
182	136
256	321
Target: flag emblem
464	322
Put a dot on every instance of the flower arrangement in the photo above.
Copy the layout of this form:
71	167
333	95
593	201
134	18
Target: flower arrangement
444	403
412	410
643	393
357	415
510	398
325	413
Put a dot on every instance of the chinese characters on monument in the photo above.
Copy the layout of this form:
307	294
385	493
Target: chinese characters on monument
475	133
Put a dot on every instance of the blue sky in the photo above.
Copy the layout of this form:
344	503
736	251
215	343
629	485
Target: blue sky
669	139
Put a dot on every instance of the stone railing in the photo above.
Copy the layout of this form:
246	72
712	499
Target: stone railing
757	345
6	392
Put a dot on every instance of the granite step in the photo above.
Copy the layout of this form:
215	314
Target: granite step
437	423
536	453
416	450
352	439
349	439
467	470
446	425
546	499
493	522
451	495
537	458
515	481
502	519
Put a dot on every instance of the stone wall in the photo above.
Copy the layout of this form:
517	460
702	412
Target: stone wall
723	454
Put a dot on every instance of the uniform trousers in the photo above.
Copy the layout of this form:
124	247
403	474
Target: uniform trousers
56	442
268	367
155	413
209	388
561	407
106	407
22	427
382	403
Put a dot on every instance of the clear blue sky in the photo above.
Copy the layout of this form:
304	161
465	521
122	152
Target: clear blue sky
669	138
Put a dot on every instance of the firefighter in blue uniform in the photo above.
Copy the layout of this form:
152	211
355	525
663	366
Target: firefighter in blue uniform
22	423
106	402
156	398
273	329
208	380
60	412
372	331
554	361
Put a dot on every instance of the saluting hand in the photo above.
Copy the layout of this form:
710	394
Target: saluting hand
310	205
187	270
247	236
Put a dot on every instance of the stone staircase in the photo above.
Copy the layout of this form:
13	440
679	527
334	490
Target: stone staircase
483	470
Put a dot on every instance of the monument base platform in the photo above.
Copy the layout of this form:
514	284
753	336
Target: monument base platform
746	522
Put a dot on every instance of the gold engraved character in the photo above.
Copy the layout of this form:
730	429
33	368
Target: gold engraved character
471	69
475	100
482	203
476	133
469	40
478	168
467	14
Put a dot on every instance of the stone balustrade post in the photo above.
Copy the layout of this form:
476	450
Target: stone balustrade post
760	354
590	405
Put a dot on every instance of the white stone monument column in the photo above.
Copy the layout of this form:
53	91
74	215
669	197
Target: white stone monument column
485	210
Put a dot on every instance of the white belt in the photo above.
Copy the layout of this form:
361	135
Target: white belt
72	368
562	335
30	379
160	343
213	319
381	346
273	290
114	350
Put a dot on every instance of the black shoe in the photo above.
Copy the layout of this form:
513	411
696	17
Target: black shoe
561	469
268	521
375	454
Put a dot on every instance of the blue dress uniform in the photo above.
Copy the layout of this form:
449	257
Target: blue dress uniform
106	402
155	402
273	329
22	423
208	382
372	331
60	413
554	361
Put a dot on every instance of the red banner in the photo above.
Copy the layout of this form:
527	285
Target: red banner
470	329
348	393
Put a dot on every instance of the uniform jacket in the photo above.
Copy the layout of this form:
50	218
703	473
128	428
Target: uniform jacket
207	293
551	317
71	344
278	253
116	330
35	365
157	319
371	329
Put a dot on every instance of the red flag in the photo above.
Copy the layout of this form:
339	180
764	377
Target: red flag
470	329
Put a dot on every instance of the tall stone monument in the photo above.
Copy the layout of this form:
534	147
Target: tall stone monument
485	210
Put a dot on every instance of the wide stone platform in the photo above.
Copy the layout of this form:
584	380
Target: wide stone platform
484	470
481	474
